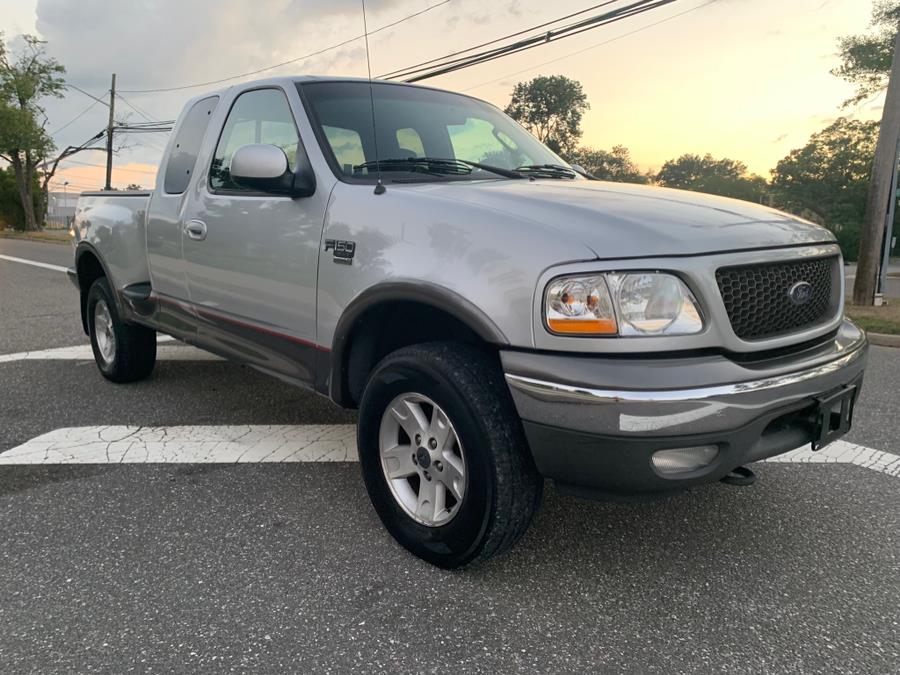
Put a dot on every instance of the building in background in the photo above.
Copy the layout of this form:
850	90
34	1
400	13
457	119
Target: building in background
61	208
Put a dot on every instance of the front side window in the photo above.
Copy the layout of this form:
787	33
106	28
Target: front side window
258	116
415	123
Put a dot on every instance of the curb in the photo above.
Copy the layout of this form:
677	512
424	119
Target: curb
883	339
43	240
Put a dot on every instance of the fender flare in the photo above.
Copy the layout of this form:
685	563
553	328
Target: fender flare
433	295
80	249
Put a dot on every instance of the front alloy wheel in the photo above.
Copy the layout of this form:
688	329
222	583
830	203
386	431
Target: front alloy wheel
422	459
444	456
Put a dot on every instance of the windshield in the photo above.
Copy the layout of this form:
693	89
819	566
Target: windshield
414	122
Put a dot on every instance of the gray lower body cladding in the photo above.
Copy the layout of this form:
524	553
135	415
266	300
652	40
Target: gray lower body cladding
594	423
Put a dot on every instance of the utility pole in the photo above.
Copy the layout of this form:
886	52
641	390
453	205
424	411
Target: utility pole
875	225
109	133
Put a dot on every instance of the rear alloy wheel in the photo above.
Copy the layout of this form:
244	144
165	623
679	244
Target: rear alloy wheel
443	454
103	328
124	352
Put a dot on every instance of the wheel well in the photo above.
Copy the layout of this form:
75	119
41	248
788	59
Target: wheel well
89	270
387	327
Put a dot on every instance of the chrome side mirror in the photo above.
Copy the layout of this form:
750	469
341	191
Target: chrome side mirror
264	168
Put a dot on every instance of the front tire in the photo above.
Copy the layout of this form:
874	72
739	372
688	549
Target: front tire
123	352
443	454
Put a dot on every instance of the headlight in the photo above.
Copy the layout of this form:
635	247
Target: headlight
580	306
645	303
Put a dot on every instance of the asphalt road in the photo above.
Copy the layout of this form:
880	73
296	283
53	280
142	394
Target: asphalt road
285	568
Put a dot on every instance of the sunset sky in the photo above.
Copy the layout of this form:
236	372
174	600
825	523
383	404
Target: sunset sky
746	79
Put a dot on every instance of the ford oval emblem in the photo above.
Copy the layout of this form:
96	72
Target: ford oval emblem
801	293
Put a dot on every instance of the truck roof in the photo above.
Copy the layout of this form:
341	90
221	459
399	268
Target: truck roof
294	79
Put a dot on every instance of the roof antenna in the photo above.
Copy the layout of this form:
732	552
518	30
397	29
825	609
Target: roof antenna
379	186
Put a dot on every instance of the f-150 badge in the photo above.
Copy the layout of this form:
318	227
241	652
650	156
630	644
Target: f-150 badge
343	250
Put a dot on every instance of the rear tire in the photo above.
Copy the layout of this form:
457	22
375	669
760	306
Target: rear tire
493	474
123	352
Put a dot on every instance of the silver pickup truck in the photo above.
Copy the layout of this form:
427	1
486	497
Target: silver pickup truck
496	316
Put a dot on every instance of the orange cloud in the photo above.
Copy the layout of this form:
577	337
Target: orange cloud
91	175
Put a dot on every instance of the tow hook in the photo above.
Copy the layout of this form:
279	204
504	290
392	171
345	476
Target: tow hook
740	476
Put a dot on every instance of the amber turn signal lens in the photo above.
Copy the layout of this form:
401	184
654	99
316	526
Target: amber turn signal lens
582	326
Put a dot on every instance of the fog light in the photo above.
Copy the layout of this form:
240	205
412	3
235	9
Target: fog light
684	460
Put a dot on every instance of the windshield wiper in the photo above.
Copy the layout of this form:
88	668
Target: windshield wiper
435	165
547	170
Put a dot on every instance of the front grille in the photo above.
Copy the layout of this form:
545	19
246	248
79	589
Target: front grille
757	297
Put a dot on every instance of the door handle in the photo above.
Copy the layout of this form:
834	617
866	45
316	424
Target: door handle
195	229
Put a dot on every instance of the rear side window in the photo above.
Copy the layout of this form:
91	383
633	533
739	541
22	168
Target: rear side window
347	147
410	143
187	144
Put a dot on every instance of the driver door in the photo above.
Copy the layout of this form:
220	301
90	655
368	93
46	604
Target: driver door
251	258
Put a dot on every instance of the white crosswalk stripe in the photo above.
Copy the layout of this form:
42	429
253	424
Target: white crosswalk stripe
289	443
33	263
164	352
188	445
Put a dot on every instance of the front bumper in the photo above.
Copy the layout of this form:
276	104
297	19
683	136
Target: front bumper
594	423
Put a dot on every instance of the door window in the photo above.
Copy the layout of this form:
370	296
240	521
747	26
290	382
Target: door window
258	116
186	145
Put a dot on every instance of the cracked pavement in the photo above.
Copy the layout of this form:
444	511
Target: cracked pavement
264	567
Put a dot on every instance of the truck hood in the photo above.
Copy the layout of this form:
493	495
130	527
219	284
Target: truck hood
618	220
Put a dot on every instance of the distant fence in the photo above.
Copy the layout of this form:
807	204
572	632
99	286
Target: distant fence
54	222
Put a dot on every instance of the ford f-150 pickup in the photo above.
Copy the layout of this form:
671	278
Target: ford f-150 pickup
496	316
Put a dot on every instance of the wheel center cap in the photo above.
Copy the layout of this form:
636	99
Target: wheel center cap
423	458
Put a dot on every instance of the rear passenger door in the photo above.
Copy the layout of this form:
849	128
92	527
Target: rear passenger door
252	272
168	277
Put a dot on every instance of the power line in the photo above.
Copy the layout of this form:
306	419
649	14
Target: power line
587	49
123	129
500	39
89	95
536	38
76	118
140	112
425	71
285	63
77	186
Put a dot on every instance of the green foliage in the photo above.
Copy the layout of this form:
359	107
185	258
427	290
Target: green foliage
25	79
11	213
827	180
866	59
550	107
615	165
723	177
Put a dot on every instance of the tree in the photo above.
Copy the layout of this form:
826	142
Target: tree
11	212
551	108
25	79
827	179
724	177
866	59
615	165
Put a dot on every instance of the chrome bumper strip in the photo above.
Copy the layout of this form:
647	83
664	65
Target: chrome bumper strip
565	392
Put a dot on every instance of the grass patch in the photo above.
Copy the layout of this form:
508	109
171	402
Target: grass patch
884	319
50	236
